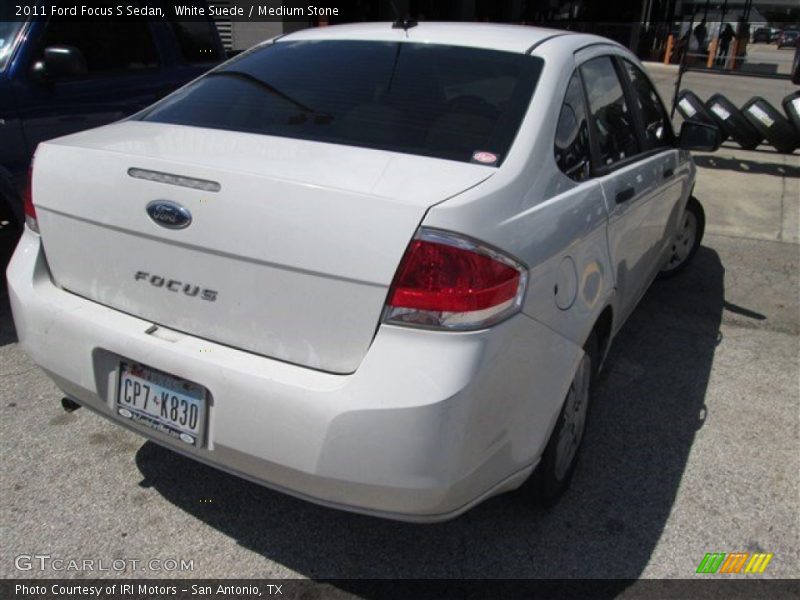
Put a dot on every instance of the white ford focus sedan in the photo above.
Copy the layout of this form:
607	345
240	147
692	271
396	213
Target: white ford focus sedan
377	267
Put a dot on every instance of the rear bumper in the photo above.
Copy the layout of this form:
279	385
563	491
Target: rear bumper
430	424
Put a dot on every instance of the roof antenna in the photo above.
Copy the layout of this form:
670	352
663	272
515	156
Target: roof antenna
406	23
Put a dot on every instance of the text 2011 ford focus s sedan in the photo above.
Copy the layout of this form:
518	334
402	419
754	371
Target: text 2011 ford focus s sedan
375	267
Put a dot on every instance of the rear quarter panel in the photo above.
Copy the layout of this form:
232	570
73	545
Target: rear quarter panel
557	228
534	212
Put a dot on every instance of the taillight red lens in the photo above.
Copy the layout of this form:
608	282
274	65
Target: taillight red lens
30	209
447	281
444	278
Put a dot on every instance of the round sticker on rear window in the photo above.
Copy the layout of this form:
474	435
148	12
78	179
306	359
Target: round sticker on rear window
485	158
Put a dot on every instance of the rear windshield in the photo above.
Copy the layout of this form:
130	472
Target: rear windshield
449	102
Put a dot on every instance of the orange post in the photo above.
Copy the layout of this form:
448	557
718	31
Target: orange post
734	60
668	51
712	52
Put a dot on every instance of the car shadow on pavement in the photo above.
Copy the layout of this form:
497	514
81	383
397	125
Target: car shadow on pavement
747	166
8	335
764	148
649	406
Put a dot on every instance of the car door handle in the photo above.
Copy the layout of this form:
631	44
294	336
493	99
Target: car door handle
669	173
625	195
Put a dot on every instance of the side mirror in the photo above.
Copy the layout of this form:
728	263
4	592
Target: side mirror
700	137
60	62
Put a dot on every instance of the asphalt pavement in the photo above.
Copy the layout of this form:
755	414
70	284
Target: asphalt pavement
693	445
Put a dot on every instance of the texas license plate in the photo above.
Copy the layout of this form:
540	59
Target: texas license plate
162	402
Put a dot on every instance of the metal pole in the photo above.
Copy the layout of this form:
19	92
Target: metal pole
722	18
681	71
719	35
648	12
748	5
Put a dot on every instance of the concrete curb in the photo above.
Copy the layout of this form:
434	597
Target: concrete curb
657	66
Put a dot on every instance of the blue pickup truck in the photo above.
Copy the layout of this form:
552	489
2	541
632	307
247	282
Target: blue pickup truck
61	76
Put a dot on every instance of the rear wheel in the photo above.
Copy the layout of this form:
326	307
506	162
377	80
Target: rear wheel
687	239
560	457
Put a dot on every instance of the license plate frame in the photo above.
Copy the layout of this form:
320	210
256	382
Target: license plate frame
158	382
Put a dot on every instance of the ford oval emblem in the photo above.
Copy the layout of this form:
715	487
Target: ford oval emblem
169	214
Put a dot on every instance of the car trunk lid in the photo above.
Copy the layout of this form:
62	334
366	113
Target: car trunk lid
291	258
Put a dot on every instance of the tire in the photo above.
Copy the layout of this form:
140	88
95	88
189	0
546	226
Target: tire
791	105
687	240
731	121
557	466
771	124
693	109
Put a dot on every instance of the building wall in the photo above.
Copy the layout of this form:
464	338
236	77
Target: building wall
642	25
250	33
241	35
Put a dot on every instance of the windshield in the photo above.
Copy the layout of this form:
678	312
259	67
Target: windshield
444	101
8	33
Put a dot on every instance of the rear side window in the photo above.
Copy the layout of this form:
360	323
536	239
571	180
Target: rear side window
196	40
432	100
572	133
657	127
611	116
122	45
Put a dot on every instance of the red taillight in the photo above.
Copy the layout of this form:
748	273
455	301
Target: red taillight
448	281
30	209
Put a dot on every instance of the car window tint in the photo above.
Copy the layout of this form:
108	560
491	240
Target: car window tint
612	119
657	128
572	133
123	45
196	39
428	99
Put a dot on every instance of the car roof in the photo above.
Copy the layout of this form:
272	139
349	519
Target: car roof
492	36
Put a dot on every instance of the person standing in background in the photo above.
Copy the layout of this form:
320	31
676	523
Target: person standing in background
700	33
725	39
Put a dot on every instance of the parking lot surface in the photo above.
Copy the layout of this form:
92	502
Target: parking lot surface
693	445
